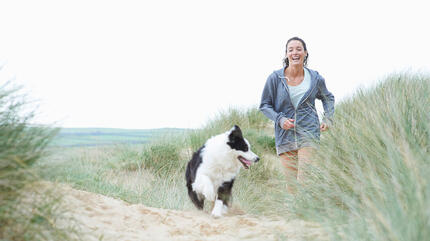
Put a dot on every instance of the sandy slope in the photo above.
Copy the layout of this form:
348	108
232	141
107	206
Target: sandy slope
106	218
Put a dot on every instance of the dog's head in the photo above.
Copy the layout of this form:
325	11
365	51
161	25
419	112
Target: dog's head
241	147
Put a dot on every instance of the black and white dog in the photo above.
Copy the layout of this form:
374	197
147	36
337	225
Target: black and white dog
212	170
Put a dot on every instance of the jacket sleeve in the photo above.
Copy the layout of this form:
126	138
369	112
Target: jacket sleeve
268	100
327	99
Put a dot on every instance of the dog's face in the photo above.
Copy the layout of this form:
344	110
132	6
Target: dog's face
241	147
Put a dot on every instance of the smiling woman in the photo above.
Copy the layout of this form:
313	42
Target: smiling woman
301	53
289	100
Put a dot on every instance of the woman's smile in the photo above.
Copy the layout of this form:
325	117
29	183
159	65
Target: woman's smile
296	53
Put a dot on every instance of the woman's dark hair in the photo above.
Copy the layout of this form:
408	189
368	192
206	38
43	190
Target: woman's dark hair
286	62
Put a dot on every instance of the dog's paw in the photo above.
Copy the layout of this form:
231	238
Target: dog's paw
224	209
218	209
216	215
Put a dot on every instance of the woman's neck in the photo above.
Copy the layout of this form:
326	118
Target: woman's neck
294	71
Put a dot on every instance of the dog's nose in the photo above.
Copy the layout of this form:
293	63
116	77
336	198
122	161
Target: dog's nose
256	160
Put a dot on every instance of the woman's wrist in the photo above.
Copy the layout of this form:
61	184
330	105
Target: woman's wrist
282	121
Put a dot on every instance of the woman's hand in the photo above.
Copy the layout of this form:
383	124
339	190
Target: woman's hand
323	127
288	123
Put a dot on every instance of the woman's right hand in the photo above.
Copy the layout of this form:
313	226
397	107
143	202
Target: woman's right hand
288	123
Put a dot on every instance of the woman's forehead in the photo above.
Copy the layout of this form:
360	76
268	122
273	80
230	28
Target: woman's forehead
294	43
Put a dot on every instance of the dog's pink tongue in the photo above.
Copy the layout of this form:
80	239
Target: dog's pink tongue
248	163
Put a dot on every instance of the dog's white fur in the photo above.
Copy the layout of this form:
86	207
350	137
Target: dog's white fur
219	164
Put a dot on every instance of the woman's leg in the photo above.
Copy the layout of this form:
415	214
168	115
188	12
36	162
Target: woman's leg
304	158
289	160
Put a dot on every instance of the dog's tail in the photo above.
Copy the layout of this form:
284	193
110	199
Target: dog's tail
194	198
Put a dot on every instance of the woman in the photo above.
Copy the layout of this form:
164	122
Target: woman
289	100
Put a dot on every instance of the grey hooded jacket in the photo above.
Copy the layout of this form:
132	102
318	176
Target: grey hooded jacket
276	104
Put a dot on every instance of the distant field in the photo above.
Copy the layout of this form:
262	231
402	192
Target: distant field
108	136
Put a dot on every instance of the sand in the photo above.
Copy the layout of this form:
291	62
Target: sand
100	217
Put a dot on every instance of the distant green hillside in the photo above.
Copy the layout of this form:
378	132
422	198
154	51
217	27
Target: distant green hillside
108	136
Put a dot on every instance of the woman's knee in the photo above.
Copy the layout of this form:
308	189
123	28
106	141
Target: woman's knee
290	160
305	154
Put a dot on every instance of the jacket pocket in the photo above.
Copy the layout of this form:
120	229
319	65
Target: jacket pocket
280	134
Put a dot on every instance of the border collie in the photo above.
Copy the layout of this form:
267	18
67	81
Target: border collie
212	169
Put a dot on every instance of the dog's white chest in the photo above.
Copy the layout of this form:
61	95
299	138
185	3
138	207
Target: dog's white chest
222	173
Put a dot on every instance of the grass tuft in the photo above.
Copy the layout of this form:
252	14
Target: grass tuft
371	174
21	145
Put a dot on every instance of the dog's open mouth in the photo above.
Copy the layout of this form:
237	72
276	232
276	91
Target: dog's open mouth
246	163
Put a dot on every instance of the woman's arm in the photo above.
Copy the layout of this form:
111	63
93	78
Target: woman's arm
327	99
268	100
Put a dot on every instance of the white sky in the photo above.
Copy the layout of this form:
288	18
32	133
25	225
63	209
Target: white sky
171	63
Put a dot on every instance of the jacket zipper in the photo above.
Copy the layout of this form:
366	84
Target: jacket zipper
306	96
295	111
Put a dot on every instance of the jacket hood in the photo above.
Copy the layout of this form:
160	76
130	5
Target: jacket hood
280	73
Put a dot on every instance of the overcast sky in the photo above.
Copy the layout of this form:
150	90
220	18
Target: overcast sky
170	63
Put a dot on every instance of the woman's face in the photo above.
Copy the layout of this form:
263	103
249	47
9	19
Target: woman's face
296	53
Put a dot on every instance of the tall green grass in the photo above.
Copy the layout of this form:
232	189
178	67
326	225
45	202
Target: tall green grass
154	173
21	145
371	178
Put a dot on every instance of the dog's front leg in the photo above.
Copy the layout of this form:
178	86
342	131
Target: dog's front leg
204	185
218	209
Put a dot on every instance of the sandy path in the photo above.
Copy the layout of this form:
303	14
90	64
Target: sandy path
106	218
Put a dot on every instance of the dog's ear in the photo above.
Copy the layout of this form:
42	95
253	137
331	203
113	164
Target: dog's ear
236	141
235	132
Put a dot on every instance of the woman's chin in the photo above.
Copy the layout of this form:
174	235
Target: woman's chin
296	64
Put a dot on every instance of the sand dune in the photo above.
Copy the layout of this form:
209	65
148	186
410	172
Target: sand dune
104	218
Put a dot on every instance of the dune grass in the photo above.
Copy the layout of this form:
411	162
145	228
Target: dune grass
21	145
154	173
371	176
369	179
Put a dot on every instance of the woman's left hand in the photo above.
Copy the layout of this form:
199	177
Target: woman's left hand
323	127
